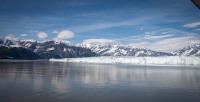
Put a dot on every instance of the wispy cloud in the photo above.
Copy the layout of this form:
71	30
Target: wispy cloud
154	35
165	31
192	25
163	40
106	25
157	37
169	44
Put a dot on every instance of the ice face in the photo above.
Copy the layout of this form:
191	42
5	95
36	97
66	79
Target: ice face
168	60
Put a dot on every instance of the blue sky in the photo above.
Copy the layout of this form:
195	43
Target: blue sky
163	25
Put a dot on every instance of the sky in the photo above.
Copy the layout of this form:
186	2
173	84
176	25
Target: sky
162	25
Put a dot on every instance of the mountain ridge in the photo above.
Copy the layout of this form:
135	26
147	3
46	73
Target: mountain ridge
48	49
193	50
122	50
56	49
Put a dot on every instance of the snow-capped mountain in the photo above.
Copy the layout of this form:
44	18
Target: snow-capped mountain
120	50
11	49
193	50
48	49
9	42
54	49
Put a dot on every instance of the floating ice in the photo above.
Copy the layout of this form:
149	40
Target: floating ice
167	60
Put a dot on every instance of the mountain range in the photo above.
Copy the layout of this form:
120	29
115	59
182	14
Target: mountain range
27	49
193	50
123	50
45	50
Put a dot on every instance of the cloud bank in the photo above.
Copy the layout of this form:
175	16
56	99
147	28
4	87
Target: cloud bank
169	44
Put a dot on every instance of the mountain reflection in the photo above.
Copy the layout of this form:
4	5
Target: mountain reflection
59	75
76	82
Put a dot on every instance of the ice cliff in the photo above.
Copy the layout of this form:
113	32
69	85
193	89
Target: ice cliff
168	60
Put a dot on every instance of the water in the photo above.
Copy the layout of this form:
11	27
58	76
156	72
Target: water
43	81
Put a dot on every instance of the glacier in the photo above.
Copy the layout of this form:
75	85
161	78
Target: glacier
164	60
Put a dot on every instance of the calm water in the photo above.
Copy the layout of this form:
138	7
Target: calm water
43	81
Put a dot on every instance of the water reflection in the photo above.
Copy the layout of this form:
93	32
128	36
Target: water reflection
59	81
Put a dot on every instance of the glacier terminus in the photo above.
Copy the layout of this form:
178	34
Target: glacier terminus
161	60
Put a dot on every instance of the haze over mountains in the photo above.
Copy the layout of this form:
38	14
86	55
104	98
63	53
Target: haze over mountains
26	49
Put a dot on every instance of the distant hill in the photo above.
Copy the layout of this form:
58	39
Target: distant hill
17	53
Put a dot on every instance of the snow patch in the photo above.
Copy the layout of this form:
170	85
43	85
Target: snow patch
198	52
14	46
49	49
64	49
28	45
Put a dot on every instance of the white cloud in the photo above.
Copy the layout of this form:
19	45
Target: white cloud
157	34
9	37
65	34
42	35
55	31
166	31
100	41
23	35
174	43
169	44
192	25
163	40
157	37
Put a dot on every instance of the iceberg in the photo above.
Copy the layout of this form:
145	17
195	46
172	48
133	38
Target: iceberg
166	60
